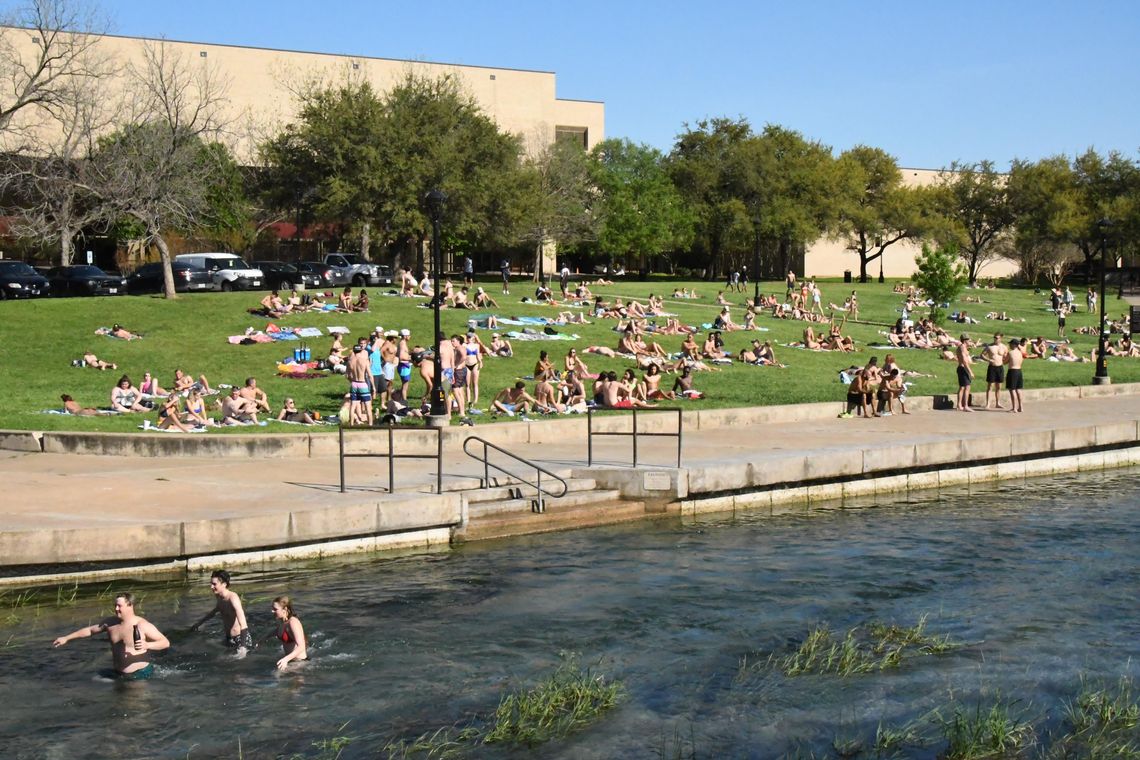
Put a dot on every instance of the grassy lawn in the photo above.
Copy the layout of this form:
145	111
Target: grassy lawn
41	337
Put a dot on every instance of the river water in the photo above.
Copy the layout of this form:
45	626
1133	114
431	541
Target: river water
1037	579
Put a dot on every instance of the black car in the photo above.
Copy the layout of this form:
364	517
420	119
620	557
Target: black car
280	275
19	280
330	276
85	280
187	278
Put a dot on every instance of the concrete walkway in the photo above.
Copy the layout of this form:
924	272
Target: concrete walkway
55	499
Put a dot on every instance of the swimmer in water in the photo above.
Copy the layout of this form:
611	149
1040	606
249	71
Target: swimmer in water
290	632
131	637
235	630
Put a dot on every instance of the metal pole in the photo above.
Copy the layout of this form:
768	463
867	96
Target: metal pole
340	430
391	463
756	269
439	409
486	468
635	438
1101	377
439	460
589	437
680	432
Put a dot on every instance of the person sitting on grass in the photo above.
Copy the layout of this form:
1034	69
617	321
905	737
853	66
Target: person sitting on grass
651	385
169	416
93	361
683	385
255	395
237	410
344	303
711	349
274	306
184	382
546	398
610	393
483	300
150	387
574	364
125	397
570	389
572	318
460	300
71	406
361	303
290	413
510	401
500	346
196	410
630	343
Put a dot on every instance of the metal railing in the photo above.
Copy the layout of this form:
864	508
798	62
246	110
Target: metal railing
539	504
634	434
392	456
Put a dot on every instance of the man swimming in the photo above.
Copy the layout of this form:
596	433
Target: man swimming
235	630
131	638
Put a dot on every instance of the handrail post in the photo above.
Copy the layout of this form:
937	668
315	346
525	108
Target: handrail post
635	438
680	433
486	467
589	437
391	463
438	461
340	430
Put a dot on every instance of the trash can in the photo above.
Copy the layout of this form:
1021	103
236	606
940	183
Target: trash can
847	276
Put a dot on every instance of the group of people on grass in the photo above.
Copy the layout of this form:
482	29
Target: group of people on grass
133	638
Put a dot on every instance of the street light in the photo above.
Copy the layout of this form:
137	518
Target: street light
440	414
1103	227
756	265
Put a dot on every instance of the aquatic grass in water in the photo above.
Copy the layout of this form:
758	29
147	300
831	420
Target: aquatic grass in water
997	732
1102	722
442	744
864	649
569	699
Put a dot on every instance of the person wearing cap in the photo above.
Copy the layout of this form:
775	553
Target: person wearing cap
389	357
500	346
404	359
483	300
965	373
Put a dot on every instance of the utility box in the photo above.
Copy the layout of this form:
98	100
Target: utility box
847	276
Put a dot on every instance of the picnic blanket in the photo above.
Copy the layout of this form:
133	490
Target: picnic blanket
515	335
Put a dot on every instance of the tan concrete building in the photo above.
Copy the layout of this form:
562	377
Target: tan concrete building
830	258
259	83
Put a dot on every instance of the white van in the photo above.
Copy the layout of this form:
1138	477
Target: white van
228	271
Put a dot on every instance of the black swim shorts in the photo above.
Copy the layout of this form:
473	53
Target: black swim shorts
995	374
243	639
1014	381
964	378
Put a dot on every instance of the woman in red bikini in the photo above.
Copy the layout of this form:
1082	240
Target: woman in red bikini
291	632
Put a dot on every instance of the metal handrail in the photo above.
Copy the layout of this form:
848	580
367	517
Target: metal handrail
539	504
590	433
392	456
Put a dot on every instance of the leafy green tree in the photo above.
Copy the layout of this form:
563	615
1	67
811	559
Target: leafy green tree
877	210
642	214
940	275
1107	187
701	165
973	202
1044	198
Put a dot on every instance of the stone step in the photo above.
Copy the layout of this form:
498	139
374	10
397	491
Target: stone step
506	492
565	518
571	499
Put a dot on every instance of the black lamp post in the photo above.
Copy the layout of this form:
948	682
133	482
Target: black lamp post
1104	227
440	414
756	266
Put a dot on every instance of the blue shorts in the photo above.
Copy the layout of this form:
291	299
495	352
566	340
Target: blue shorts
359	392
405	370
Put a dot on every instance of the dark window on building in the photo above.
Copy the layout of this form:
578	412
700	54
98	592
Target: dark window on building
577	135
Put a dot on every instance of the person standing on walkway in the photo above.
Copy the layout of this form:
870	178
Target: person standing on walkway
965	373
1014	381
131	637
235	629
995	356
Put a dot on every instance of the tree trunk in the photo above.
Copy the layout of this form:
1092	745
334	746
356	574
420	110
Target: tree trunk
66	245
421	241
167	275
366	242
538	261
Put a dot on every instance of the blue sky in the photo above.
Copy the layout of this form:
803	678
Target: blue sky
929	82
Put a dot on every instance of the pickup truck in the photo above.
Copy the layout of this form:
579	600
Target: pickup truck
358	271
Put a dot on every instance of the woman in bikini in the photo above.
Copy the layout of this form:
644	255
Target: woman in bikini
71	406
290	413
543	368
150	386
361	301
473	350
290	632
168	416
573	364
196	409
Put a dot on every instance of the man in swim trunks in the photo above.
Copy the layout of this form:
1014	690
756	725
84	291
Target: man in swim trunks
404	359
235	630
965	373
360	386
1013	379
131	638
995	354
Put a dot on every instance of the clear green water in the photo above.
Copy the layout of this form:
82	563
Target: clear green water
1039	579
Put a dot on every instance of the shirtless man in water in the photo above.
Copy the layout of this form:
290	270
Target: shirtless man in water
965	373
235	630
995	354
131	638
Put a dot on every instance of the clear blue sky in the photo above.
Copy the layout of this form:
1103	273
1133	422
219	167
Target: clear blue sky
929	82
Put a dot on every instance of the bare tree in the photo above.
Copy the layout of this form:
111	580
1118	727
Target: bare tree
158	168
560	200
47	51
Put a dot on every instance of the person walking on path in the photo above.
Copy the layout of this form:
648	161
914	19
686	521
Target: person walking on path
131	637
1013	380
995	356
965	373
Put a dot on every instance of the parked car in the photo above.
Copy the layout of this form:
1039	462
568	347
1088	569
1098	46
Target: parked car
331	277
279	275
357	271
229	272
187	278
19	280
85	280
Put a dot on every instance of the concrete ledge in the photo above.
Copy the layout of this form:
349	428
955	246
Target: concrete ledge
177	444
21	440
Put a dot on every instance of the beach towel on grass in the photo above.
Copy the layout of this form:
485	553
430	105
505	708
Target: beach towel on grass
513	335
107	412
337	329
308	332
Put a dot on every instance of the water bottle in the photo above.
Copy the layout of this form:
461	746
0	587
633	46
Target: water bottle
308	353
298	354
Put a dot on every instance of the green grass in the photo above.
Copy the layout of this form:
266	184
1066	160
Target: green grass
864	649
997	731
41	338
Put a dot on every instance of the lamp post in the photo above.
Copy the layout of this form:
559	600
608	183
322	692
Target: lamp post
756	265
440	414
1104	226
